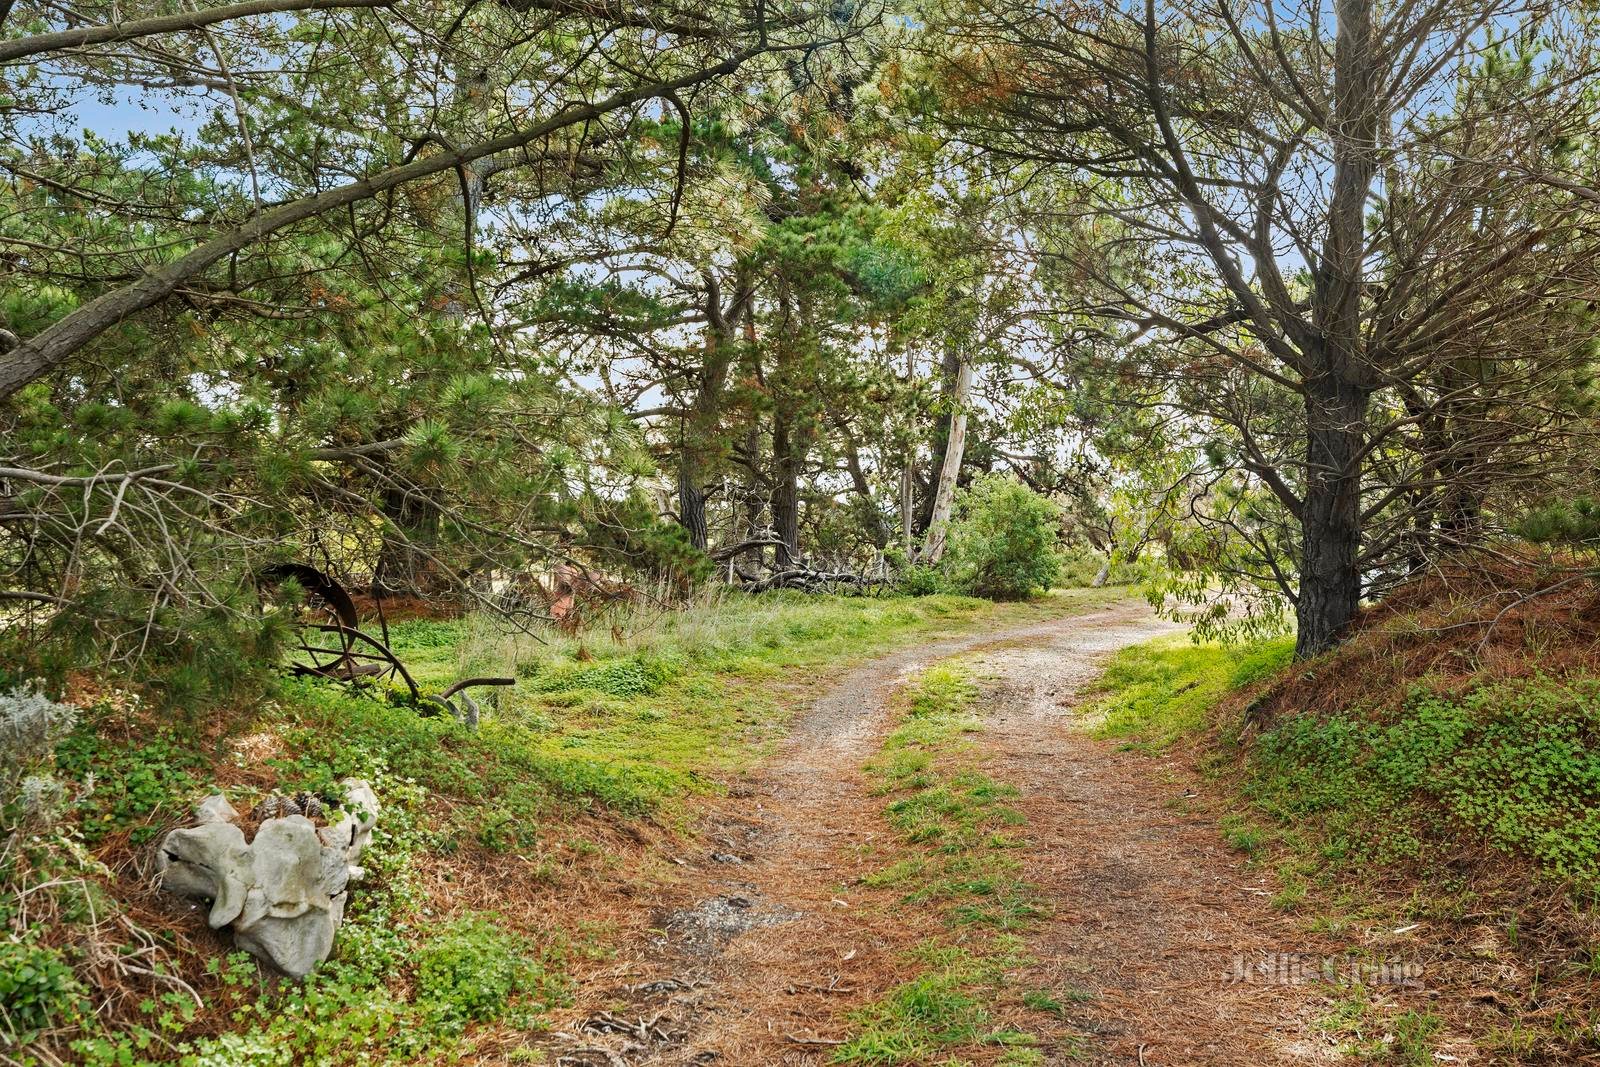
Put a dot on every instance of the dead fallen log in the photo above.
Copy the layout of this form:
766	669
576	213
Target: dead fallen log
727	552
807	579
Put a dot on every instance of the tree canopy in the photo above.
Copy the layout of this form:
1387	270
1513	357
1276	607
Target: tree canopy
1281	302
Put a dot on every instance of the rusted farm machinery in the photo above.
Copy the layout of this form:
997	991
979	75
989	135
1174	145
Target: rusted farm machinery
331	644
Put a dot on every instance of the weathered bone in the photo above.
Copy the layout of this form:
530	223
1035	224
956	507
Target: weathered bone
283	894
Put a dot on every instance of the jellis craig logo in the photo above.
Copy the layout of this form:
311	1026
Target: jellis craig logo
1294	968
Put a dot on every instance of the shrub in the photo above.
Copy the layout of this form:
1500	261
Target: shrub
640	675
1572	522
1003	540
30	726
37	989
471	971
1517	765
196	658
920	581
1080	567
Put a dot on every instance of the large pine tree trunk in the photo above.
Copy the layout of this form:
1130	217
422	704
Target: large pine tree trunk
785	491
908	509
691	502
700	432
697	432
944	495
1330	575
1335	401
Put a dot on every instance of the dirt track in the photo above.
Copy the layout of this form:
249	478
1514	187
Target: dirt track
769	939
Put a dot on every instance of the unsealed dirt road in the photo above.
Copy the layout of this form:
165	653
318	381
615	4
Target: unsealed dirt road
767	942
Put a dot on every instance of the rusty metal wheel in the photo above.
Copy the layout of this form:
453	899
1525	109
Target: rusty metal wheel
330	643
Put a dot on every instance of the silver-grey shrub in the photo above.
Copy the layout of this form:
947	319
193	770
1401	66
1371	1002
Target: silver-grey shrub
31	724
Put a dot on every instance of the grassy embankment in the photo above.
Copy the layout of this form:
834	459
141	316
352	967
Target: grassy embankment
489	845
1428	793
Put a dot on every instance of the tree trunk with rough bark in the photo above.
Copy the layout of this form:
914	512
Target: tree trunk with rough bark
1330	574
691	503
785	491
1337	383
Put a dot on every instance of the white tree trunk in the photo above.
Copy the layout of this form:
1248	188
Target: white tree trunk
944	499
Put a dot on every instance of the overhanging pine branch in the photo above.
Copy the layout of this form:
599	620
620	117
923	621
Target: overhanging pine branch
48	349
84	36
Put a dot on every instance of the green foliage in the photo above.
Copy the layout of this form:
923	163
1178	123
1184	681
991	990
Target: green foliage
1003	540
915	1019
359	1007
628	534
1160	691
1515	765
1569	522
640	675
504	764
1241	834
1259	660
136	783
1512	766
1041	1000
1079	568
474	968
196	659
957	817
920	581
631	718
38	990
338	1016
937	716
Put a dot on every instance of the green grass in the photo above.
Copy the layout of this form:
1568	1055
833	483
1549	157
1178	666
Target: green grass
632	722
725	633
1514	766
1395	785
954	818
1366	1033
946	1006
680	700
958	834
1160	691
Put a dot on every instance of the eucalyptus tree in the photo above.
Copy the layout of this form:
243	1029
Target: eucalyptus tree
1296	215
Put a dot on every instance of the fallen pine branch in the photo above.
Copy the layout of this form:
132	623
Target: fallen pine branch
806	578
801	1039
